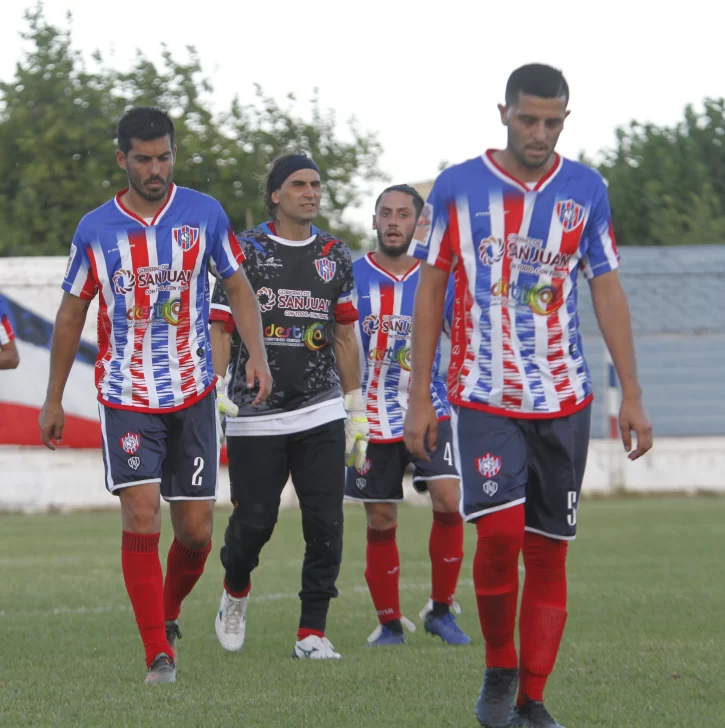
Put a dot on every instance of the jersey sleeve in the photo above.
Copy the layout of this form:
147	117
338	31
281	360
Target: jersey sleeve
6	330
80	279
432	242
600	253
219	309
224	248
345	311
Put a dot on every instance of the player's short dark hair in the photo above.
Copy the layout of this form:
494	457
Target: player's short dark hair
269	182
536	79
418	201
144	123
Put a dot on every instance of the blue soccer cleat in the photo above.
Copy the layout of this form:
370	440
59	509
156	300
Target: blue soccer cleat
383	636
446	628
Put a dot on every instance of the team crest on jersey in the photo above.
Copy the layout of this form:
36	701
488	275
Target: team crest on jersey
570	214
186	236
490	250
266	299
123	281
326	269
489	465
130	443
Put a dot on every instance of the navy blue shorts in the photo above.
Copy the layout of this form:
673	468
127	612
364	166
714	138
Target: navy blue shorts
381	479
506	461
178	449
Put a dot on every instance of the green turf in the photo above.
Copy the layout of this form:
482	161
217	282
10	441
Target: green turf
644	645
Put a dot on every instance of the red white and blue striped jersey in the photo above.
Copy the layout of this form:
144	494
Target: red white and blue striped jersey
385	306
152	278
516	251
6	330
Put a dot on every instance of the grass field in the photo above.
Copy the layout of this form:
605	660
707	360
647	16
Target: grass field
644	646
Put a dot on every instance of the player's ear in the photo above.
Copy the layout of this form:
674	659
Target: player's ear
375	222
275	197
503	110
121	159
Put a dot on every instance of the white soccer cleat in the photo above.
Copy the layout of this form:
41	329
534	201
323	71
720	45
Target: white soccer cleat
231	622
315	648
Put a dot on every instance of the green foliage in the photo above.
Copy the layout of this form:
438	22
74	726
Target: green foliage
57	142
667	185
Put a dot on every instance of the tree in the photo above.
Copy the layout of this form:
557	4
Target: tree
667	185
57	141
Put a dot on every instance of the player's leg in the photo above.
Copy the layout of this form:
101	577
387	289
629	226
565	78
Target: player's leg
189	483
557	459
133	449
317	465
445	546
258	472
379	485
491	454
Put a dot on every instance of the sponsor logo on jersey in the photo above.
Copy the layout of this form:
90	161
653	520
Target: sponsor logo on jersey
170	311
266	298
156	278
400	356
396	326
185	236
123	281
490	250
314	337
489	465
326	268
542	299
130	442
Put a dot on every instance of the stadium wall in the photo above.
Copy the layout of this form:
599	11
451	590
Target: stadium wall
34	479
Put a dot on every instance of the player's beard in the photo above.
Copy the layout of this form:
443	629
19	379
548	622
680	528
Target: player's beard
389	250
148	195
516	145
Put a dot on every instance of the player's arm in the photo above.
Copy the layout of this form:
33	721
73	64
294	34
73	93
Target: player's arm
248	320
221	347
9	358
347	356
69	322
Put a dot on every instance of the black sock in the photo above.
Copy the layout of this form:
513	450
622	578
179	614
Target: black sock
440	609
394	625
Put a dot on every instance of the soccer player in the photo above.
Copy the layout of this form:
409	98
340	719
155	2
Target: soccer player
9	358
147	254
385	283
516	226
303	279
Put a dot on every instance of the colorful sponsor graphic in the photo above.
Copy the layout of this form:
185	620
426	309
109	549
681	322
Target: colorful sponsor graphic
400	356
266	299
123	281
326	269
489	465
169	311
156	278
185	236
130	443
543	299
314	337
395	325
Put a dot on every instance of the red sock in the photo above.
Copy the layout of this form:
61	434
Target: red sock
303	632
145	586
496	580
241	594
543	612
184	566
446	555
382	573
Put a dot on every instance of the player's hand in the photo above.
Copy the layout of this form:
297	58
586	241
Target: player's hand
258	373
51	421
357	430
421	426
632	417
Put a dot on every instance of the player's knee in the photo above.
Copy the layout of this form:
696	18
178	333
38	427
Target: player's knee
381	516
543	553
323	535
447	499
141	515
501	534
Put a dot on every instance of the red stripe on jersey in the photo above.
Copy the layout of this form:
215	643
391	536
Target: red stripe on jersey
104	326
387	307
328	247
513	387
139	259
7	328
236	248
461	332
187	365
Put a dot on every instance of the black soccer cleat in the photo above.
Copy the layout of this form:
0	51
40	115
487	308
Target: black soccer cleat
173	635
495	706
532	714
162	670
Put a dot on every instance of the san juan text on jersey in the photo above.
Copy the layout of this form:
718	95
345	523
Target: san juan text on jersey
516	250
385	304
303	289
153	285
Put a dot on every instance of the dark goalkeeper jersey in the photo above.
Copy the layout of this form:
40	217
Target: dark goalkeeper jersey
303	289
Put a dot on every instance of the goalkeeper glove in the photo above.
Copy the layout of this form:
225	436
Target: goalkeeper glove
356	429
225	406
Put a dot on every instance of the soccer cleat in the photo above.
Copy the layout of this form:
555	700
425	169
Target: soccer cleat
495	706
162	670
231	622
385	637
173	635
444	626
315	648
533	714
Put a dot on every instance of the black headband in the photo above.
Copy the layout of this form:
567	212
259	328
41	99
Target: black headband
290	165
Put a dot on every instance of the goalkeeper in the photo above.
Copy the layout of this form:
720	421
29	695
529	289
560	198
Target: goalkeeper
307	429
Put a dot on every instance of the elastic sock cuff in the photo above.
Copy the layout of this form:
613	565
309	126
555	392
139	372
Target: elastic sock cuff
140	543
238	594
449	520
191	554
379	536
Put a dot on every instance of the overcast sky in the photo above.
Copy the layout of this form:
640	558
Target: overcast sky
426	76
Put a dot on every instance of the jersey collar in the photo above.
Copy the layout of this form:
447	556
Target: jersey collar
501	173
122	208
392	276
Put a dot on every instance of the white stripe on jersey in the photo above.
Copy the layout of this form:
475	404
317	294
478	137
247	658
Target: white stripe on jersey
360	347
608	245
435	239
379	380
404	376
124	249
147	356
81	276
177	263
106	292
194	311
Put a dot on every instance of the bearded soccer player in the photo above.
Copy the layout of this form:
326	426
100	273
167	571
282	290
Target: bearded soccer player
516	226
9	358
385	283
147	253
303	279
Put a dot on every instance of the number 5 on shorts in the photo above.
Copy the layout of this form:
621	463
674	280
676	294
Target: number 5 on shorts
572	498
